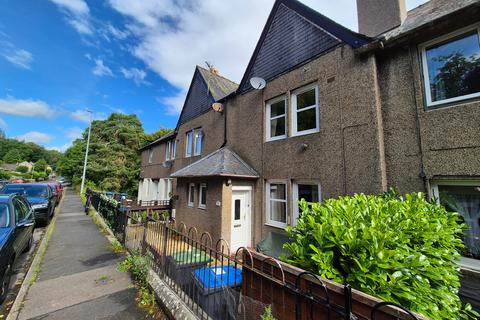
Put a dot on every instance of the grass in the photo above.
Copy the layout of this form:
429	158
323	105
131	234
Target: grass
48	235
116	247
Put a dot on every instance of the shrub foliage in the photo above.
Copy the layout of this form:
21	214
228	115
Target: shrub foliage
400	249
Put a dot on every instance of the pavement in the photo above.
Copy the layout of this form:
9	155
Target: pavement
78	277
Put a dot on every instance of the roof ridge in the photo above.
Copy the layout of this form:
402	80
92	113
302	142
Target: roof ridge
216	75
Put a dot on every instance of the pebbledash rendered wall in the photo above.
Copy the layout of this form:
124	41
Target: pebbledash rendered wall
345	157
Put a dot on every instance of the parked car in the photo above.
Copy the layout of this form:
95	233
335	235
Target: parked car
16	235
55	193
18	181
58	189
4	183
40	197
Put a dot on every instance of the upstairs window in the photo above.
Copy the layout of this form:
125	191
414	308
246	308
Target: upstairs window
171	150
150	155
194	142
189	144
305	111
276	114
451	67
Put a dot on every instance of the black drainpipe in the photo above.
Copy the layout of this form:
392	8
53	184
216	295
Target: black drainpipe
224	126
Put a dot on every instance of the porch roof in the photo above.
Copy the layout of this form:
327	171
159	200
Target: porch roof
222	162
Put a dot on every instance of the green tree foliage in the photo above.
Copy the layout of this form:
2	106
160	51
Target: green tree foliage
22	169
113	161
41	165
149	138
11	150
12	156
400	249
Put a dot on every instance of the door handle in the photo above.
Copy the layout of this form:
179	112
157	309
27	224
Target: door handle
237	225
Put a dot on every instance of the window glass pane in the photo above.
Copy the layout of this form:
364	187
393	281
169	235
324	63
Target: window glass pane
307	119
189	143
309	192
167	152
278	191
454	67
198	142
150	156
306	99
277	127
466	201
278	211
237	209
203	198
277	108
4	216
19	210
174	149
191	194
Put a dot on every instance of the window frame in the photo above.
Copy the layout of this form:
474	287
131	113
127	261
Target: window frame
268	118
191	193
170	150
200	195
268	221
296	212
150	155
197	132
429	104
189	146
294	111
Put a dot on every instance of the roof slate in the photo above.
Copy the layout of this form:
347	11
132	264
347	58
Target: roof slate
222	162
425	14
219	86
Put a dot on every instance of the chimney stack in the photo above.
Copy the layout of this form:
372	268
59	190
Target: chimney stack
378	16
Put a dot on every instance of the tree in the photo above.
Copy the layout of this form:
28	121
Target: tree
113	160
12	156
41	165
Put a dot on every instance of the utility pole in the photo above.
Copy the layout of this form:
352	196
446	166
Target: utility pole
86	153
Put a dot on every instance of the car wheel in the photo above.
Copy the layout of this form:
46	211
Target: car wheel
6	282
29	244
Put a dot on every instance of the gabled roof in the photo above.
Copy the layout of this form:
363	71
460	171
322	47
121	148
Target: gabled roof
293	35
223	162
427	13
206	88
168	136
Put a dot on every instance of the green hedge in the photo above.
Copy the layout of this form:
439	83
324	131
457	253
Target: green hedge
400	249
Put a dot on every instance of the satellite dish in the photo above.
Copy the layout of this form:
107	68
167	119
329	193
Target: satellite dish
258	83
217	107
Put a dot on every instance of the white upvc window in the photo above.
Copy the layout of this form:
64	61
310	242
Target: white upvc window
276	206
150	155
451	67
191	194
194	142
189	144
308	190
276	119
305	111
171	150
198	142
202	196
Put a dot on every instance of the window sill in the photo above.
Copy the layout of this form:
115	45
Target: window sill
190	205
276	139
278	225
304	133
202	207
457	103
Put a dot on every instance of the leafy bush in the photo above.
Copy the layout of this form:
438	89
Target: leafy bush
22	169
400	249
137	265
4	175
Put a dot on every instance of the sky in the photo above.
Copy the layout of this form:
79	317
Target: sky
59	58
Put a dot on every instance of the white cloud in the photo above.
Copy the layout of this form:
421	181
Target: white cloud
19	57
35	137
26	108
101	69
84	116
77	15
135	74
74	133
3	124
117	33
175	35
173	104
61	148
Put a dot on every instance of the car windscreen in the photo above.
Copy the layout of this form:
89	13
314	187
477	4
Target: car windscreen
30	191
4	215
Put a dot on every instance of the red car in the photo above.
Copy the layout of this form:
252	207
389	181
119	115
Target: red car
18	181
58	190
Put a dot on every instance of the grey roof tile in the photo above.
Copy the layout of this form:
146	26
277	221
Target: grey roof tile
222	162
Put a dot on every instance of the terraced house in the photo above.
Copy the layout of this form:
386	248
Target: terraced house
396	105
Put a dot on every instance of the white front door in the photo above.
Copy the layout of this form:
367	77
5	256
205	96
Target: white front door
241	212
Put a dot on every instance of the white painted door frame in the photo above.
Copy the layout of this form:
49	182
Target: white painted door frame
241	229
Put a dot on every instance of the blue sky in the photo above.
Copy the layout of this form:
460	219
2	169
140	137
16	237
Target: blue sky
60	57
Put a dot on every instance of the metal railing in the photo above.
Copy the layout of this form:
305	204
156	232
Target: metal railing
216	283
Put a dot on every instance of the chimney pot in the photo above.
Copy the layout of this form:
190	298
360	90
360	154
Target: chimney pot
378	16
